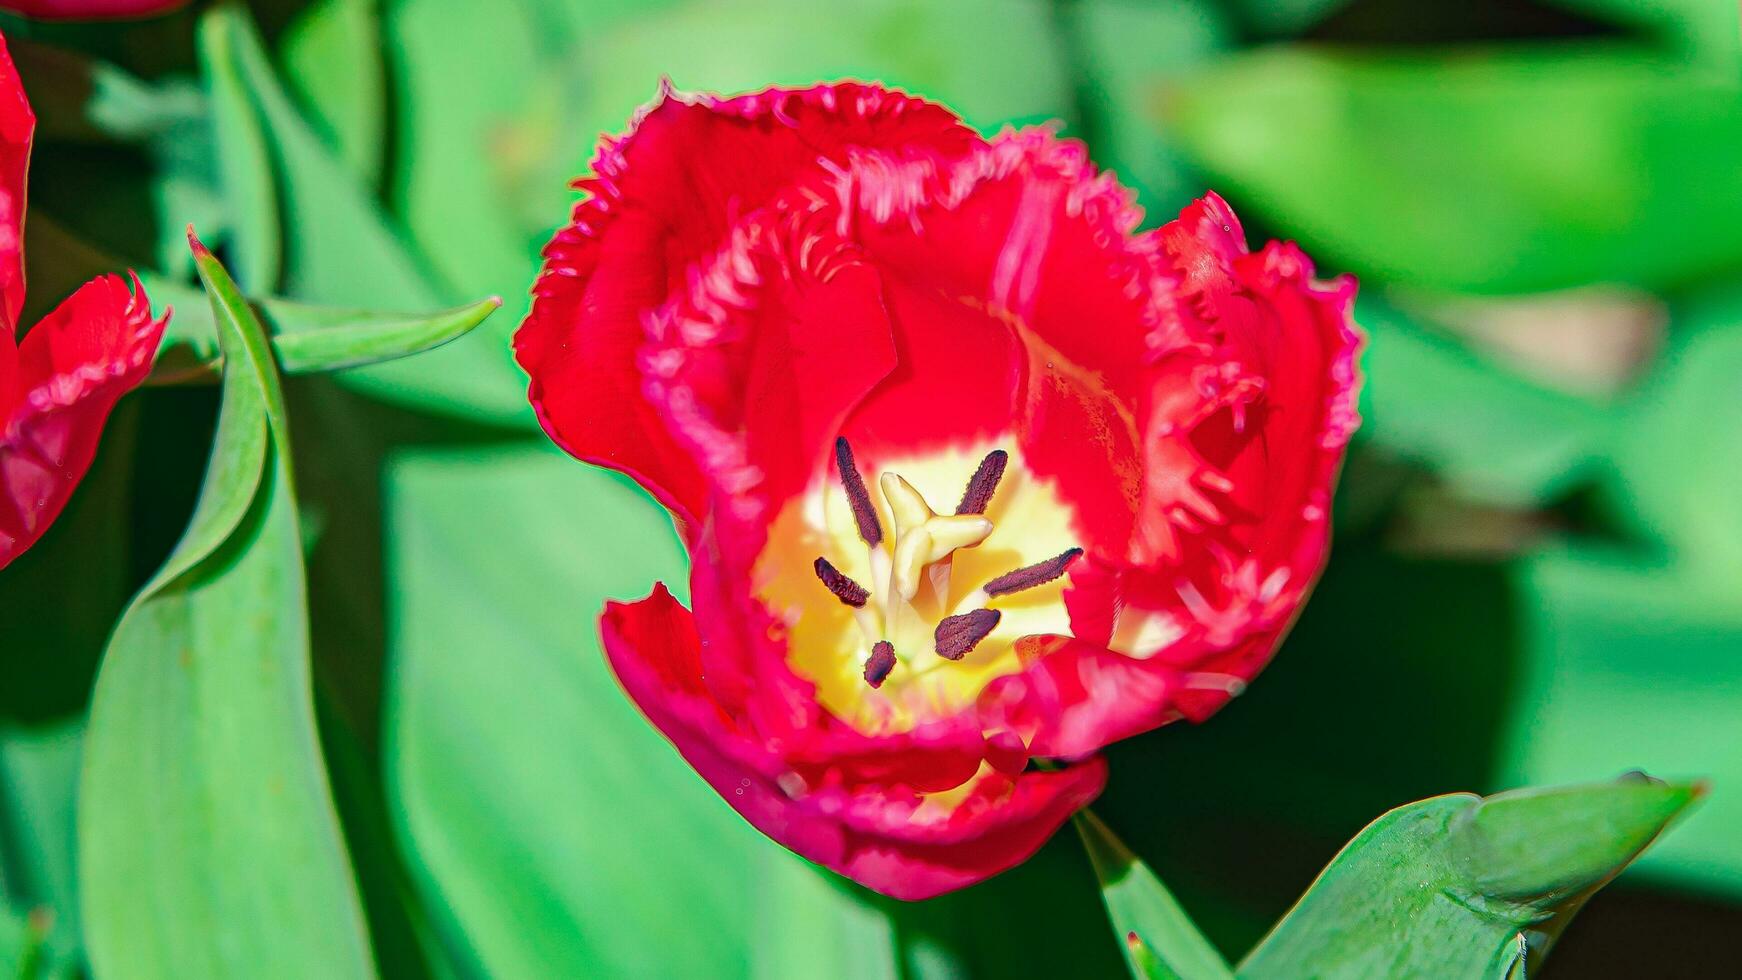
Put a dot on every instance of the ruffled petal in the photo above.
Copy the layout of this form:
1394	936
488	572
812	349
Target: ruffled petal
754	363
71	368
664	196
1023	305
17	126
894	838
1248	406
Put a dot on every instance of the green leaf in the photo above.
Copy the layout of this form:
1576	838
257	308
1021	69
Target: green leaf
550	826
332	59
306	339
1618	645
1491	434
1701	28
1531	167
343	250
1460	886
114	142
1282	17
38	775
1675	458
208	843
23	944
1125	53
1160	941
243	162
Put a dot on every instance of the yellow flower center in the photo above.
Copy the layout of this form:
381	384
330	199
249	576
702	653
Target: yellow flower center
900	613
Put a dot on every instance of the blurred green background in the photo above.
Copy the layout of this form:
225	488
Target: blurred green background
1537	576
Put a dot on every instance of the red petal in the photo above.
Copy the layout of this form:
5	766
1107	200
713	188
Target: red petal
886	837
754	363
1022	304
71	368
17	125
90	9
665	196
1249	407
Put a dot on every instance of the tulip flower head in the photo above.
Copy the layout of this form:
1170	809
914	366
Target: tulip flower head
975	478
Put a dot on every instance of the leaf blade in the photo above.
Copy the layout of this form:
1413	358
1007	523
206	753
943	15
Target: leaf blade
208	841
1159	938
1429	889
306	339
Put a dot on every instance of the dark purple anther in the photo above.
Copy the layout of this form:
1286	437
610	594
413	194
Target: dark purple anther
881	663
983	483
1039	573
864	514
844	588
957	635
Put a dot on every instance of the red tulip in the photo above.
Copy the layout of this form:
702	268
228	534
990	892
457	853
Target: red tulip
90	9
57	385
971	474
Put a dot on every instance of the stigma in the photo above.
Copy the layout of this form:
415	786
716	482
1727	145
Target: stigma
911	561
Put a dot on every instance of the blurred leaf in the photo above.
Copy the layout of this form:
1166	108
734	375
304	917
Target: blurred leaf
118	145
814	925
1530	167
528	790
1708	29
1676	457
1160	941
39	769
305	339
1491	434
1276	18
1125	51
23	945
243	164
1620	647
463	121
208	845
342	251
332	59
1447	886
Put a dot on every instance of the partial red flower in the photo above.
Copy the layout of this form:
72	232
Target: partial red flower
57	385
90	9
975	479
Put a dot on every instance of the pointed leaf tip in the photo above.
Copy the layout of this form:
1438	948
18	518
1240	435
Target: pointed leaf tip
1136	898
1542	845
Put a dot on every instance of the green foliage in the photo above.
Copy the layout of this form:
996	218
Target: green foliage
1452	886
305	339
549	824
1358	153
208	845
1533	583
1161	943
1462	886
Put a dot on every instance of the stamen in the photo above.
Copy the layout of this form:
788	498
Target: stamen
978	496
1036	574
844	588
957	635
881	662
864	513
